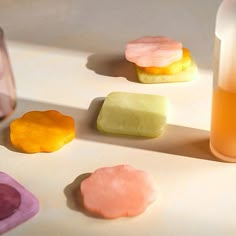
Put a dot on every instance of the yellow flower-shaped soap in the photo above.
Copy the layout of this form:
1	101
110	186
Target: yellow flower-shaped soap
42	131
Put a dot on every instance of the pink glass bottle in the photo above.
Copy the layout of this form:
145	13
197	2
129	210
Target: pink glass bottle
7	85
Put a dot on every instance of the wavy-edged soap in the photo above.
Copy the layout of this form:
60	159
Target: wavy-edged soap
42	131
118	191
133	114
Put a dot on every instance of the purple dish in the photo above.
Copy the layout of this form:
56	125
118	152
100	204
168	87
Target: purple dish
28	207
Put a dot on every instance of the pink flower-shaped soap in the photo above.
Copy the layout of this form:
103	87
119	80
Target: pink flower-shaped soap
156	51
16	203
112	192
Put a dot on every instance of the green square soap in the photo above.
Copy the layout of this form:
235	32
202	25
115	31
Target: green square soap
133	114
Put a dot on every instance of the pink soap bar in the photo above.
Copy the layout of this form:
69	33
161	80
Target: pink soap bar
29	204
118	191
157	51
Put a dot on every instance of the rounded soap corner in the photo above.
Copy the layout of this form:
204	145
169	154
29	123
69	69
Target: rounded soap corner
141	80
139	75
99	126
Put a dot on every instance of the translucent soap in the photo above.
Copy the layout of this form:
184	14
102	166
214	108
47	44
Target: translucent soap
133	114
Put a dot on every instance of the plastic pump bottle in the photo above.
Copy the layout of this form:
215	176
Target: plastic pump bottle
223	120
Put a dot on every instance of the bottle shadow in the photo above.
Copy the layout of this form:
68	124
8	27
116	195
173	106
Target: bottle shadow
177	140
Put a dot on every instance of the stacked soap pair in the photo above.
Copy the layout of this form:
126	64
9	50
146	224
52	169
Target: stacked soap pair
160	59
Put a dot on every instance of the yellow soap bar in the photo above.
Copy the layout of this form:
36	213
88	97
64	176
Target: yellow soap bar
41	131
133	114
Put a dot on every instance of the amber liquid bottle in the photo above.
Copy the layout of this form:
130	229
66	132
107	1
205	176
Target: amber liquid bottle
7	85
223	118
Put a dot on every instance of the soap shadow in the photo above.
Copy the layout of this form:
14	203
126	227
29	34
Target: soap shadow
74	198
5	139
73	193
112	65
177	140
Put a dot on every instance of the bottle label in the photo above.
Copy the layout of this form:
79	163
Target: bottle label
216	62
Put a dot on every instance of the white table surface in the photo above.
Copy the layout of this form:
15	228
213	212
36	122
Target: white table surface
68	55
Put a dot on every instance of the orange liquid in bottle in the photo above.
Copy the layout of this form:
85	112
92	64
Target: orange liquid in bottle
223	125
